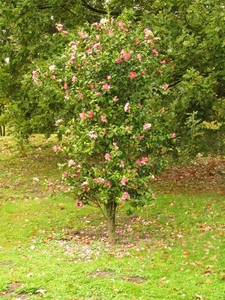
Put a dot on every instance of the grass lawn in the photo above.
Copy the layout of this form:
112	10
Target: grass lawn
50	249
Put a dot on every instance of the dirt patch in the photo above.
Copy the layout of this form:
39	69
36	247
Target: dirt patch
11	289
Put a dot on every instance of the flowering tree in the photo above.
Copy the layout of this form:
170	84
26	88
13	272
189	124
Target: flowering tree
111	80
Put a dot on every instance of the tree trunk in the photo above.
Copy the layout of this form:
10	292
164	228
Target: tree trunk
111	220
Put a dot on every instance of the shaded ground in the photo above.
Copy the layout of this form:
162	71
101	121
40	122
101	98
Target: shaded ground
204	175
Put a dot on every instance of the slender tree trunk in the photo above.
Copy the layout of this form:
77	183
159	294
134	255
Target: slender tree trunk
111	220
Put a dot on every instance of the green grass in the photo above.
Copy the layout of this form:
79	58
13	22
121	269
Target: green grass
49	249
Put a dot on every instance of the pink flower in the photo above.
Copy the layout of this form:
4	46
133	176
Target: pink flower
141	137
82	35
132	75
143	72
92	86
127	107
160	71
143	161
115	99
83	116
165	86
115	146
148	32
93	135
124	181
127	128
58	122
104	21
79	203
90	114
108	183
122	165
59	27
98	93
107	157
119	60
103	119
147	126
155	52
173	136
71	163
139	57
52	68
163	62
57	148
65	86
89	51
64	175
74	78
124	197
126	55
106	86
109	77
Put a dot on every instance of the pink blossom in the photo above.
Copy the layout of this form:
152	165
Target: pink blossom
109	77
115	146
108	183
64	175
147	126
163	62
79	203
52	68
103	119
115	99
58	122
160	71
124	181
143	161
143	72
53	77
74	79
65	31
104	21
127	107
124	197
107	157
83	116
141	137
106	86
82	35
93	135
127	128
122	164
155	52
126	55
57	148
132	75
90	114
65	86
119	60
59	27
148	32
99	180
98	93
139	57
89	51
173	136
92	86
165	86
71	163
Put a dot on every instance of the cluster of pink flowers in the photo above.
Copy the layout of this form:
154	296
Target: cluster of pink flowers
35	74
143	161
57	148
102	181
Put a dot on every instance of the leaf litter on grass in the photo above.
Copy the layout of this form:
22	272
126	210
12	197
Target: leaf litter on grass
185	235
